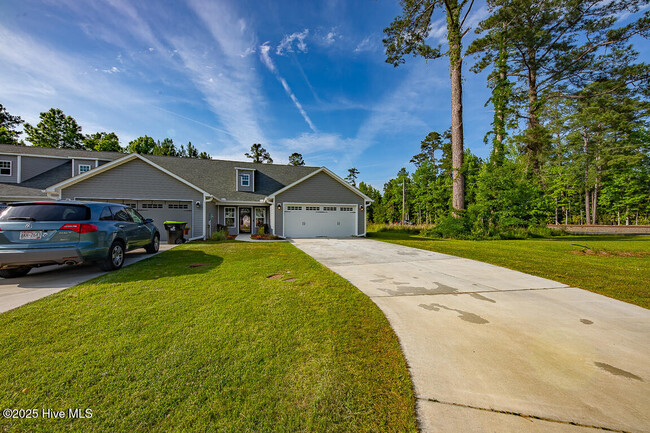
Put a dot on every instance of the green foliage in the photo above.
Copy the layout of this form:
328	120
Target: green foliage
351	178
103	141
260	230
144	145
259	154
220	235
55	130
296	159
8	124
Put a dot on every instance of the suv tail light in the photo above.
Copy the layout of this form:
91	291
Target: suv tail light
80	228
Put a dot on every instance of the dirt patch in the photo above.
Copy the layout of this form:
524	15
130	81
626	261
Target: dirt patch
275	277
604	253
288	280
196	265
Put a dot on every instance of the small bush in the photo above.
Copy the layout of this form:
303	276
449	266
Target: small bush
220	235
260	230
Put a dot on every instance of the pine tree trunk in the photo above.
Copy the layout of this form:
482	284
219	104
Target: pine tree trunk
587	193
618	215
455	67
594	204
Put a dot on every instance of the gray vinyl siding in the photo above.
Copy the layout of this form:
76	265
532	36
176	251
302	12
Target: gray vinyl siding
14	169
33	166
137	180
319	189
251	180
78	162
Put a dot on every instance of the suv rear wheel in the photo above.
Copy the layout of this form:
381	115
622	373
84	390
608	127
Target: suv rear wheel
15	272
115	258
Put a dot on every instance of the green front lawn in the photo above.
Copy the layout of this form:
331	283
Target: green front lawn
200	339
615	266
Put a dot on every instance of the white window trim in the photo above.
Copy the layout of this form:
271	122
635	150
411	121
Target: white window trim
247	177
234	216
263	214
11	167
84	165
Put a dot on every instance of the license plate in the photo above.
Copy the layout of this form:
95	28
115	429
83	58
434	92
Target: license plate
31	235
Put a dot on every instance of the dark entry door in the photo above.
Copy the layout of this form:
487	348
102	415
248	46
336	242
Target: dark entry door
244	220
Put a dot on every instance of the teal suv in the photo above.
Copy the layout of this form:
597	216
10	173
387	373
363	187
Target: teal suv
70	232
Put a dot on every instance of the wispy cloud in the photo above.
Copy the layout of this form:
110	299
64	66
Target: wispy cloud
268	62
288	41
224	72
368	44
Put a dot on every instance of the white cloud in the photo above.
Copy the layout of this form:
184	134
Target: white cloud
287	43
368	44
268	62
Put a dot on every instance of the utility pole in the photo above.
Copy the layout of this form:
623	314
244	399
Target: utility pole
403	200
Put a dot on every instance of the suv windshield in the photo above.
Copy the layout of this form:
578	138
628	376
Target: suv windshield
45	212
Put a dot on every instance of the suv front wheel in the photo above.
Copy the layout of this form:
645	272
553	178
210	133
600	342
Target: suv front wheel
154	245
115	257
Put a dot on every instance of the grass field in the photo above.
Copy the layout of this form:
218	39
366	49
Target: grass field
615	266
201	339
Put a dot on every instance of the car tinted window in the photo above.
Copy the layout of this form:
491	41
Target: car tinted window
106	214
120	214
45	212
136	216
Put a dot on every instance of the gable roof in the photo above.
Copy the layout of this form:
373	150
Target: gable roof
332	175
209	176
12	190
218	176
57	153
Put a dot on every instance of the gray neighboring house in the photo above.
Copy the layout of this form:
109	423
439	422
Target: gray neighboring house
293	201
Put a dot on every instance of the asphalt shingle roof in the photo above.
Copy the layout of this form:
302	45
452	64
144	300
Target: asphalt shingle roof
217	177
65	153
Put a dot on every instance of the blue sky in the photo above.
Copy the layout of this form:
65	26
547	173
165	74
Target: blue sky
296	76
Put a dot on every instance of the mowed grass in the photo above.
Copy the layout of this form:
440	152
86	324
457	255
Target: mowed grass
615	266
164	346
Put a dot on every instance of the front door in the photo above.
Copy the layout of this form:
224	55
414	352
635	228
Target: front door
244	220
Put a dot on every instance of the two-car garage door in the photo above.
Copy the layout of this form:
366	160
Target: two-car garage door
309	220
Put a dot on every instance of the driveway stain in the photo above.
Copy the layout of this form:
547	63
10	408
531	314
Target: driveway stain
586	321
617	371
404	289
464	315
482	298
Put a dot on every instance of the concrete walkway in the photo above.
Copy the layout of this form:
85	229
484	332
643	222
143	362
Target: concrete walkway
494	350
42	282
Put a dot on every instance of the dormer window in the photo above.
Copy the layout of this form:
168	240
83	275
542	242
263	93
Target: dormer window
245	180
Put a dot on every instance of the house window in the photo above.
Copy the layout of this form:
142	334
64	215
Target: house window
260	216
229	216
151	205
84	168
294	207
177	206
5	168
347	209
312	207
245	179
329	208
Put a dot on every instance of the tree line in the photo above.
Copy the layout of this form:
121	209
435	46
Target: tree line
55	129
570	139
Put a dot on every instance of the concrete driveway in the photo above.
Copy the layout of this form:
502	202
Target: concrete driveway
42	282
491	349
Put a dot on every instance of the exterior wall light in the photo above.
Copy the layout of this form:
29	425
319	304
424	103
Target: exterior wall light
361	208
198	204
279	207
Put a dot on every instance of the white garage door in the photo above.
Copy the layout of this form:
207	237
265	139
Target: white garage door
310	221
158	210
161	211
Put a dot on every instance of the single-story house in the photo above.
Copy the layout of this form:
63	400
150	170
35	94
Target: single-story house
292	201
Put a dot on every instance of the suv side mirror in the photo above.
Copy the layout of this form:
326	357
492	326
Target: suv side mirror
148	221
